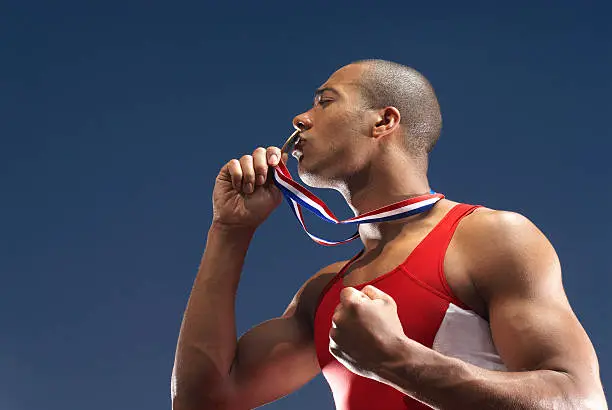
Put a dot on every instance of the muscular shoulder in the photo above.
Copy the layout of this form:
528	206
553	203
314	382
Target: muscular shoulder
505	252
495	229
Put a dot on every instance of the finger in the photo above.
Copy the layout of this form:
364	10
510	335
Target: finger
274	155
374	293
338	308
333	346
350	295
248	174
260	165
335	351
235	172
336	317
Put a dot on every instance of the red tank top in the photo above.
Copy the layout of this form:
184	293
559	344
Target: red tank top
422	296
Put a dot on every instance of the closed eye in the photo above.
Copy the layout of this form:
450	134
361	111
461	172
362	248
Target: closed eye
321	102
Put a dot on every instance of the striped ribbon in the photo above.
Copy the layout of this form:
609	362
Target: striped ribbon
297	196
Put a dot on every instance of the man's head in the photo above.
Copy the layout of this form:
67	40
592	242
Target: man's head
363	112
385	83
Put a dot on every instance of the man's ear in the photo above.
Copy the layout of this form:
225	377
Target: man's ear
387	121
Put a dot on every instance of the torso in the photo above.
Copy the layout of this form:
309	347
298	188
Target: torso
381	266
376	263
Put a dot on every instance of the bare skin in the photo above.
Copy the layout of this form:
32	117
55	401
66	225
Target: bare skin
498	263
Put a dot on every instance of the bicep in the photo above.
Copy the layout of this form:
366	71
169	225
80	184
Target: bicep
532	323
278	356
273	359
540	333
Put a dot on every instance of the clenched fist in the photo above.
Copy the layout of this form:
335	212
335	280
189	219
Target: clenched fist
366	331
244	194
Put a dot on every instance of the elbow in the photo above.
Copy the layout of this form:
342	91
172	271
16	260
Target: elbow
583	395
592	401
198	402
201	400
204	396
197	389
571	401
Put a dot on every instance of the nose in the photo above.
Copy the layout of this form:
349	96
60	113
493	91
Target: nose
302	122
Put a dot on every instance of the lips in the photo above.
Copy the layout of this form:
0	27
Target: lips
297	154
297	151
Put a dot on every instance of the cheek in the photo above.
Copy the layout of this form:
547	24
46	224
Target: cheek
333	120
339	132
337	138
348	123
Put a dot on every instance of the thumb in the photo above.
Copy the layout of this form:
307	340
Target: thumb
374	293
350	295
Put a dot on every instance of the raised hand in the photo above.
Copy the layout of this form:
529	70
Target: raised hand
244	193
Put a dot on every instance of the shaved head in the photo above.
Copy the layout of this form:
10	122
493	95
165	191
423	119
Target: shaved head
385	83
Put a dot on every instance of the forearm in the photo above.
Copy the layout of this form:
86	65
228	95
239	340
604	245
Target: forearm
207	339
447	383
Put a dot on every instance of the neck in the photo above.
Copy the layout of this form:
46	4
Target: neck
395	179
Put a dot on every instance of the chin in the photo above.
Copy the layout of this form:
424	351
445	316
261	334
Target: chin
313	178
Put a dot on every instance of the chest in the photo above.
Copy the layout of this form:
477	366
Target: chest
444	268
375	263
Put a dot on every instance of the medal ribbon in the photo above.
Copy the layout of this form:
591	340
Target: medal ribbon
298	196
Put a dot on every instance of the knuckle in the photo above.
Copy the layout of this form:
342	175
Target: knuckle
336	317
246	163
346	307
260	166
349	298
234	167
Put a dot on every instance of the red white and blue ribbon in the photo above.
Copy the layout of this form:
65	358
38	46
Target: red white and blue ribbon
297	196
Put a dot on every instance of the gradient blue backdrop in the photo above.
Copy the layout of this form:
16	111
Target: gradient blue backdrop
116	116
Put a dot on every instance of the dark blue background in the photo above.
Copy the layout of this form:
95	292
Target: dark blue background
116	116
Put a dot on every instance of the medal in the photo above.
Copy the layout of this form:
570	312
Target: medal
298	196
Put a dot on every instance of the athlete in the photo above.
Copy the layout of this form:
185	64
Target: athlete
457	307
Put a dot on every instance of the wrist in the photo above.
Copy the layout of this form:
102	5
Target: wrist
231	231
224	254
415	369
230	240
404	367
399	361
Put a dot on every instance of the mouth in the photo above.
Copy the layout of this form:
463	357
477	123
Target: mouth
294	145
297	154
298	148
291	142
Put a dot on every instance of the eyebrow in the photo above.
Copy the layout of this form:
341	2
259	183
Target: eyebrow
320	91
